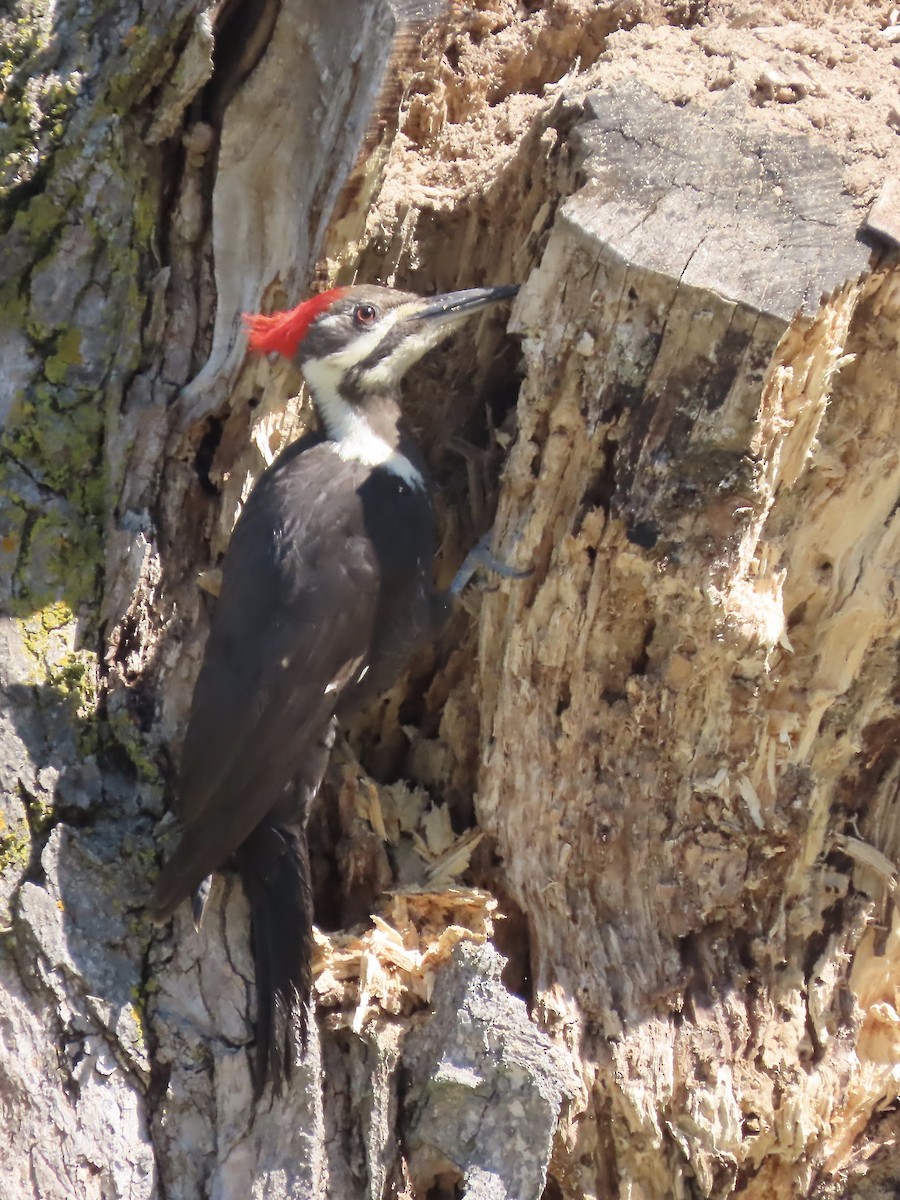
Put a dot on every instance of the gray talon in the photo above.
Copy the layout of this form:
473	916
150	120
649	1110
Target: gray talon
481	557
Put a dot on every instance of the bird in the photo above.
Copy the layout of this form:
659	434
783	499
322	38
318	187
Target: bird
327	592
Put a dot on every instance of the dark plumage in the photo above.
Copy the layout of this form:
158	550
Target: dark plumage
326	593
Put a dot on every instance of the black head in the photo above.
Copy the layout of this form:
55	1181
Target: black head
364	339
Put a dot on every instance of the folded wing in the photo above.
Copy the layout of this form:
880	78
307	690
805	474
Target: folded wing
280	652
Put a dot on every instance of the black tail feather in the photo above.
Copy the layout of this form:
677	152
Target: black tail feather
274	868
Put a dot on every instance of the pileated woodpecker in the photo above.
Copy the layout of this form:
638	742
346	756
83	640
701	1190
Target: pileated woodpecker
327	591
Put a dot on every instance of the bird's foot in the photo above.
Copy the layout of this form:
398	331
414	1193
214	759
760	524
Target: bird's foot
482	558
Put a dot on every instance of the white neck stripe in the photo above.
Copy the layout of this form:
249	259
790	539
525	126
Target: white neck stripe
354	439
352	435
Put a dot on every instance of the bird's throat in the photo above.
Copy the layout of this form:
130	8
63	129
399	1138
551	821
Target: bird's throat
370	431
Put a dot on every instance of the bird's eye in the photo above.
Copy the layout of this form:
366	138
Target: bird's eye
365	314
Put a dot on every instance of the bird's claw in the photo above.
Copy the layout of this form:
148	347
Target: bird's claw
481	557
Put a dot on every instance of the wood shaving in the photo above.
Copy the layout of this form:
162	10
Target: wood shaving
390	967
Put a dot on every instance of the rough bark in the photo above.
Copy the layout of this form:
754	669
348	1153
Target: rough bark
678	705
667	760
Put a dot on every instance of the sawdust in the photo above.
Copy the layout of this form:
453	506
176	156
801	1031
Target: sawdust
828	70
405	819
831	76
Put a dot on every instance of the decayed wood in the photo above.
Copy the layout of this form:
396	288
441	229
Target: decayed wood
677	708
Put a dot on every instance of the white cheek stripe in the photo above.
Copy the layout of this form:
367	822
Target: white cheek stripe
403	356
363	346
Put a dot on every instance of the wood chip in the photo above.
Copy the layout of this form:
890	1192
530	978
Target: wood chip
210	581
871	857
454	861
390	967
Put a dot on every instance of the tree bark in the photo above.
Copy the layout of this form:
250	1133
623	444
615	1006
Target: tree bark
658	774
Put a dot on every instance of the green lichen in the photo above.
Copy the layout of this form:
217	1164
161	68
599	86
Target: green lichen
58	561
128	738
137	1012
40	813
68	354
60	554
51	541
37	101
146	217
141	995
151	54
43	214
65	680
60	445
15	846
50	620
146	866
47	636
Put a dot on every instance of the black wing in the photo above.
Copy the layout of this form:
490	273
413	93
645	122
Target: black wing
292	628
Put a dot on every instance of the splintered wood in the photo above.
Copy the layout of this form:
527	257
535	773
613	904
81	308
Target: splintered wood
390	968
689	710
401	815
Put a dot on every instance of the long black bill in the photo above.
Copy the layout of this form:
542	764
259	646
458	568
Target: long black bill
463	304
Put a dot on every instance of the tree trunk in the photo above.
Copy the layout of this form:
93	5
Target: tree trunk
657	775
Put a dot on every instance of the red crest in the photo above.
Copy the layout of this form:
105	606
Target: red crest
282	332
